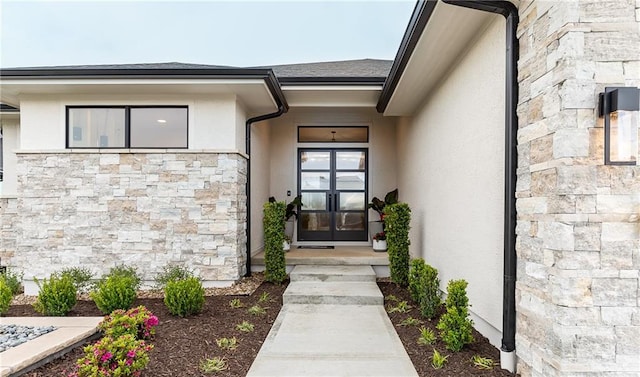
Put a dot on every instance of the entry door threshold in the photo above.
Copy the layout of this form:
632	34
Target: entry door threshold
317	247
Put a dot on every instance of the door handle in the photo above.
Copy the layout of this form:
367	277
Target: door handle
330	202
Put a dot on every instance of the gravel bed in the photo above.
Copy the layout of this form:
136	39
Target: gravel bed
15	335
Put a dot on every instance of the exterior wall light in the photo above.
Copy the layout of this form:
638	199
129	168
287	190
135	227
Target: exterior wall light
620	108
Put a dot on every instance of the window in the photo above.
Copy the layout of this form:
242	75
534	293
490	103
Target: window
328	134
127	127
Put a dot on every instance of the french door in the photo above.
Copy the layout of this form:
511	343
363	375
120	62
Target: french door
333	186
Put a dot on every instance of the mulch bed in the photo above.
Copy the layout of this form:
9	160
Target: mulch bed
181	343
458	363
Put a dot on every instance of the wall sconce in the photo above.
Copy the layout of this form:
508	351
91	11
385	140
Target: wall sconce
620	108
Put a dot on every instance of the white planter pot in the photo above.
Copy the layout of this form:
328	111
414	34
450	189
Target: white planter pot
286	246
380	245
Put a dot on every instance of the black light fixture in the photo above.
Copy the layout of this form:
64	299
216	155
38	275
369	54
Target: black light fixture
620	107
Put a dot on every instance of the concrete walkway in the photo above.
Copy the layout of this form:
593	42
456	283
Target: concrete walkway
333	323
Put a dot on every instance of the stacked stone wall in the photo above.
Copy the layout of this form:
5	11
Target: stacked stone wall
578	229
147	210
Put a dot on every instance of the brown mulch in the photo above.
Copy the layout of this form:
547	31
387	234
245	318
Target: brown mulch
181	344
458	363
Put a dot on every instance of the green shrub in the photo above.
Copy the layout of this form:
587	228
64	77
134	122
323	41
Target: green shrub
184	297
274	259
13	280
113	357
57	295
455	325
457	294
416	274
397	224
114	292
81	277
139	322
424	287
5	297
172	273
128	272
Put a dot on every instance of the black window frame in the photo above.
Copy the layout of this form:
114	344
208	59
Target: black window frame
127	123
334	127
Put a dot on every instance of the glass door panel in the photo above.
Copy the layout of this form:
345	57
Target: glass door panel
333	186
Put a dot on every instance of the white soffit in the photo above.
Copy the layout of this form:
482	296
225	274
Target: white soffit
332	95
447	35
253	93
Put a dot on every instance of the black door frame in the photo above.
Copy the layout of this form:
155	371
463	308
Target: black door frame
333	235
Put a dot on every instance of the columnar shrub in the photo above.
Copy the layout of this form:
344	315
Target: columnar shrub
184	297
113	357
455	325
5	297
397	224
115	291
274	259
416	273
57	295
139	322
424	287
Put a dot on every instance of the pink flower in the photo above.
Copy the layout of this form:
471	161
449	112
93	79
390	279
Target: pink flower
152	321
129	361
131	354
106	356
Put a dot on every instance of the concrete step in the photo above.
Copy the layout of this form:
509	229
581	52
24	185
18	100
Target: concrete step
333	292
333	273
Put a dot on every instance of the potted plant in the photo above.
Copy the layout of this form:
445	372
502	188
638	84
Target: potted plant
290	215
377	226
286	245
380	241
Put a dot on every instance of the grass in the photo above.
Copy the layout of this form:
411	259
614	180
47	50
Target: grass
256	310
227	343
217	364
245	326
401	307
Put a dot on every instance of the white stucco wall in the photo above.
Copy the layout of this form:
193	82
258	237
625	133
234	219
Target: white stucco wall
284	146
260	180
215	122
452	154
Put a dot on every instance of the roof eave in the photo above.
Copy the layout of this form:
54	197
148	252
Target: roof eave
419	19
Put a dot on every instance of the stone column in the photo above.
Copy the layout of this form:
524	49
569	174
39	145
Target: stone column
578	226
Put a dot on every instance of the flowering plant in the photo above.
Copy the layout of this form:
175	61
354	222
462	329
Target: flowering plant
139	322
381	236
123	357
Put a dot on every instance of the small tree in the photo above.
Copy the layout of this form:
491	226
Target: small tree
397	224
274	260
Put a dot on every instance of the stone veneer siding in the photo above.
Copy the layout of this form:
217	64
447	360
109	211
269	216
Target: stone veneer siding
146	210
578	230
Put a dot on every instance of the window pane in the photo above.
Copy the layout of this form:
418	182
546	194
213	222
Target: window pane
352	201
315	160
350	181
350	221
314	201
315	221
350	160
315	181
96	128
159	128
333	134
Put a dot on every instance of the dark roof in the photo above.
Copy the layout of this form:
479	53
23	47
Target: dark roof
7	108
171	65
347	71
371	69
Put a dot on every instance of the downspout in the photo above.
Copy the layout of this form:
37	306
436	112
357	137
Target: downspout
510	12
249	122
